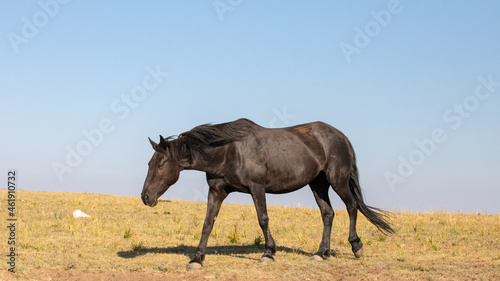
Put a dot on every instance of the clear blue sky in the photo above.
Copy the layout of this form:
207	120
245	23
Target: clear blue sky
415	85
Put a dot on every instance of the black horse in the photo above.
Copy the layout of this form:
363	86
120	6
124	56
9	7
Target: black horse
245	157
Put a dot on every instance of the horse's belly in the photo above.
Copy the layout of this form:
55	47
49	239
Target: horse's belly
290	177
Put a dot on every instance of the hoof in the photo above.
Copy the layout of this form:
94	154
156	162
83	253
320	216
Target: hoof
316	258
192	266
265	260
359	253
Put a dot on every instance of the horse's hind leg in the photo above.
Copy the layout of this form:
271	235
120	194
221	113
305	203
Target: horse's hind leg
319	187
341	187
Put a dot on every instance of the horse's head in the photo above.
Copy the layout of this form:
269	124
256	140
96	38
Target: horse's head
163	172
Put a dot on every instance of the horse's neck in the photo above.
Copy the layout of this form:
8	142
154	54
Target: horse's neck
210	163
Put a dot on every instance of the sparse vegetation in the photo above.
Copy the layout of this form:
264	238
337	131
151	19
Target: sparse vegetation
58	215
257	241
136	246
127	233
234	236
123	235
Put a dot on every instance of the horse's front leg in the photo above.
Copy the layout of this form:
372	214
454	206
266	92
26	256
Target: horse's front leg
216	195
259	199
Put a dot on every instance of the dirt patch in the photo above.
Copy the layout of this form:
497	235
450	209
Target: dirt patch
111	275
50	275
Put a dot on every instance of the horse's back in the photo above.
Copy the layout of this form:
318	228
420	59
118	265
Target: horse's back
318	139
289	158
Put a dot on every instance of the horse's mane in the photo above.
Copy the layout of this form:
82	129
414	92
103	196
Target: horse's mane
213	135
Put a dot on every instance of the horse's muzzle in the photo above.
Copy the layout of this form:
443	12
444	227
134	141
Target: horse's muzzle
150	201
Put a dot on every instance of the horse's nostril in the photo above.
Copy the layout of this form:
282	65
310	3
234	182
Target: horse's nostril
146	197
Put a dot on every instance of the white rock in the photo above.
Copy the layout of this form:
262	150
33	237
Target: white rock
79	214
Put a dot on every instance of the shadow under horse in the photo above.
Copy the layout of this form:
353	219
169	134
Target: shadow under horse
241	156
227	250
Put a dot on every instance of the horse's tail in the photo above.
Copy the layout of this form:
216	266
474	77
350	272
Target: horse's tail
376	216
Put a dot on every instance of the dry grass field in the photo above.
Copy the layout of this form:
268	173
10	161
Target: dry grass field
125	240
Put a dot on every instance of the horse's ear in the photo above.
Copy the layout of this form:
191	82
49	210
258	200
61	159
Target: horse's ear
154	144
163	142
